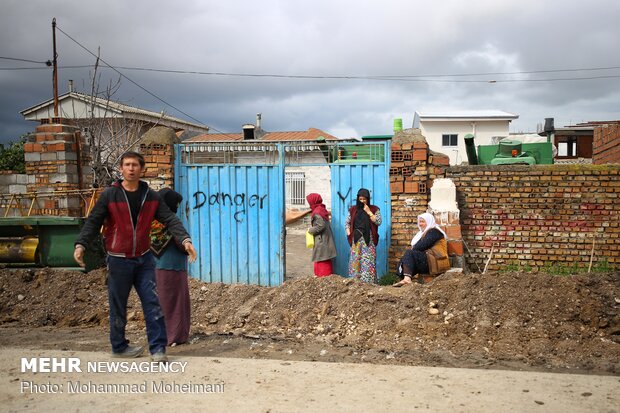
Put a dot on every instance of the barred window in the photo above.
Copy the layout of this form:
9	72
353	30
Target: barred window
295	188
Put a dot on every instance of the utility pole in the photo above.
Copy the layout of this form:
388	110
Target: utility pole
55	75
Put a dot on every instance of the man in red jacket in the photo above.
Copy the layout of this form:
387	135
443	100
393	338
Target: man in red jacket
126	210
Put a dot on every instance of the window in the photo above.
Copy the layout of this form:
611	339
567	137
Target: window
567	148
449	140
295	188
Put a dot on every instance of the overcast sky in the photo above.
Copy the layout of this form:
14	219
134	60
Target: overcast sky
425	40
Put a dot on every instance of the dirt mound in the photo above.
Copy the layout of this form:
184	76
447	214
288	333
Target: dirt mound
518	319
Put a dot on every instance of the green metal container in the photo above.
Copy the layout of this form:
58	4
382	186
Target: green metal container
507	146
541	152
56	236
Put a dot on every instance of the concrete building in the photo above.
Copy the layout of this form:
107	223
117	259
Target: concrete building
445	131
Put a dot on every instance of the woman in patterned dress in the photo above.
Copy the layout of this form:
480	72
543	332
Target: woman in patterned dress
362	232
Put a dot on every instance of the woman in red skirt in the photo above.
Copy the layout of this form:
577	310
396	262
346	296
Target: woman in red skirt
324	249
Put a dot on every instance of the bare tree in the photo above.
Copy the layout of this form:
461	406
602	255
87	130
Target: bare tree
109	133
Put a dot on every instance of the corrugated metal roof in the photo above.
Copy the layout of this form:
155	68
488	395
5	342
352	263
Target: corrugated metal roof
311	134
111	105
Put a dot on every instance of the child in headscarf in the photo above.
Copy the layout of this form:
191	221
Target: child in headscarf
363	235
324	249
415	261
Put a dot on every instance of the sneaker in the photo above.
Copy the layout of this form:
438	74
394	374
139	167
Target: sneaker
129	352
159	357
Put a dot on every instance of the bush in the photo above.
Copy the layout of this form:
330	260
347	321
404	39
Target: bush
12	158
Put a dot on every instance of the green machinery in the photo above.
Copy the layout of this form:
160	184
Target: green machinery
46	241
509	152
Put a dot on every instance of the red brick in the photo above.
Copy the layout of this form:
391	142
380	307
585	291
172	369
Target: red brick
438	159
453	231
419	155
455	248
411	187
396	187
397	156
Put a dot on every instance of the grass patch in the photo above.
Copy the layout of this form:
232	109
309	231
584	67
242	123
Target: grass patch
388	279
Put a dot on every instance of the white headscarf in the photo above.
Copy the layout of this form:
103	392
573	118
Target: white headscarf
430	223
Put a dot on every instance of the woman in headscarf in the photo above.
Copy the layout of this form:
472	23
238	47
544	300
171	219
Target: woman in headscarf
171	277
324	249
415	259
363	235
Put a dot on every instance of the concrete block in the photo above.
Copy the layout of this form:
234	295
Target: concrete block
17	189
67	169
69	202
60	178
67	156
49	156
32	157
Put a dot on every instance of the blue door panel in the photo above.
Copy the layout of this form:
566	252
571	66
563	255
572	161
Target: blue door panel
235	215
346	180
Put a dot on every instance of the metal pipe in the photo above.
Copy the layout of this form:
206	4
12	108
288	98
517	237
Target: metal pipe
470	149
18	249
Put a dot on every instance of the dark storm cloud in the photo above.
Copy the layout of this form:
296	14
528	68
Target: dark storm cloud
319	38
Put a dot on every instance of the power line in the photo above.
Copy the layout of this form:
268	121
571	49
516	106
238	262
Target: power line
132	81
399	78
47	62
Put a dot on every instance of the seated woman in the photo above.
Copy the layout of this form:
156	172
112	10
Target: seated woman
415	261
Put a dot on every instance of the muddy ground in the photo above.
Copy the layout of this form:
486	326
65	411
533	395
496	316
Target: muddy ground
497	320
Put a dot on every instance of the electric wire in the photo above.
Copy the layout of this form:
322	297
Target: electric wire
400	78
137	84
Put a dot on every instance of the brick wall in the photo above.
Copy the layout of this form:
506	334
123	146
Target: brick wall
539	216
606	144
157	147
413	168
51	158
159	160
11	184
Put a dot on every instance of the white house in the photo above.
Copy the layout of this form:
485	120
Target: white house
92	111
445	131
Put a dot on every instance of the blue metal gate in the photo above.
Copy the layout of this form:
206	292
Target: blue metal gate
361	166
234	203
234	209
